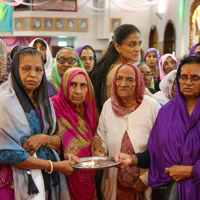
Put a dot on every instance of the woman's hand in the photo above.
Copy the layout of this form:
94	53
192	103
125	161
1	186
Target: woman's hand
126	159
97	148
33	143
179	172
72	157
139	186
64	167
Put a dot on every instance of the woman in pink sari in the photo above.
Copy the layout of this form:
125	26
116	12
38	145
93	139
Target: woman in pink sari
77	118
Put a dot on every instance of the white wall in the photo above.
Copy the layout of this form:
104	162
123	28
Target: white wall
182	22
99	35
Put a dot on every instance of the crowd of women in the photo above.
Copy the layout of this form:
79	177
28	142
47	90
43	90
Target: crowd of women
143	111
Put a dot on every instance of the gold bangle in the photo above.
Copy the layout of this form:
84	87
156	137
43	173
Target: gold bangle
49	141
97	137
50	171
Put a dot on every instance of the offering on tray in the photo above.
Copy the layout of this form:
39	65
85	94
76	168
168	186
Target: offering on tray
94	163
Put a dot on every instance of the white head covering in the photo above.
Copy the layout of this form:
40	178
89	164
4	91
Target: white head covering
165	95
161	62
48	64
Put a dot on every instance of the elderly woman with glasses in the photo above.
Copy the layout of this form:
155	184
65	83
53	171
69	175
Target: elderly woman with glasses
167	63
65	59
147	76
174	143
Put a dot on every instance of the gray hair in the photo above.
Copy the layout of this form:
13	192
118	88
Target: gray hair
70	49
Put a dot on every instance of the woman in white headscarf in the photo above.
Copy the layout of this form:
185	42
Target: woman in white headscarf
167	87
43	48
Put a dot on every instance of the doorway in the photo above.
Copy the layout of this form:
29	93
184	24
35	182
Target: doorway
153	37
169	38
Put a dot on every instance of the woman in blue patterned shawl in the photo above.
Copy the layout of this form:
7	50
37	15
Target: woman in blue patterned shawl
26	113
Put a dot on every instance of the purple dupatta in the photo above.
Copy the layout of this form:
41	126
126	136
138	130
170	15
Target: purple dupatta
192	50
175	140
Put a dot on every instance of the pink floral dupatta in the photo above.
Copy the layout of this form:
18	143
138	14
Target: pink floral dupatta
77	132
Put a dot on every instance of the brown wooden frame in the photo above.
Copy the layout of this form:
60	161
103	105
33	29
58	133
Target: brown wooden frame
193	7
20	20
81	29
112	21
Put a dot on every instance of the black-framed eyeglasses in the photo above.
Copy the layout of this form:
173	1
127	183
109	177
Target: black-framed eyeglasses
194	79
70	60
84	58
149	74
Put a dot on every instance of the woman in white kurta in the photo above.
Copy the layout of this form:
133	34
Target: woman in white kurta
124	125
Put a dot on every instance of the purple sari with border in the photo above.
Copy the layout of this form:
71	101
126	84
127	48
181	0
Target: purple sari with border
175	140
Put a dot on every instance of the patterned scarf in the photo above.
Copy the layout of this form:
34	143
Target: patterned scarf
5	62
77	132
23	121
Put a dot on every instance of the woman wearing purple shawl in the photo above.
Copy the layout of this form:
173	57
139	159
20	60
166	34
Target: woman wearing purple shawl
152	57
174	145
195	49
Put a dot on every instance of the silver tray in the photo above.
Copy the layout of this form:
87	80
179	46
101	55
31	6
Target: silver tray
99	163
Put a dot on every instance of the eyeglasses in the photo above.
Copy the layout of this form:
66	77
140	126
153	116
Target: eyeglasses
172	62
90	58
194	79
70	60
28	70
149	74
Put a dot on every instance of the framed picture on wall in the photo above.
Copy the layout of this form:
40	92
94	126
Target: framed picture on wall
114	23
71	25
26	23
18	24
60	24
37	23
48	24
160	47
83	25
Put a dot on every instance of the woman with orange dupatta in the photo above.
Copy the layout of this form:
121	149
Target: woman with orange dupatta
76	113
